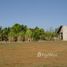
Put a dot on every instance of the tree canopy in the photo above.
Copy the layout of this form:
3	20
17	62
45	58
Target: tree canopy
23	33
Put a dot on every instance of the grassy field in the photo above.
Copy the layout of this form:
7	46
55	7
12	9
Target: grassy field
25	54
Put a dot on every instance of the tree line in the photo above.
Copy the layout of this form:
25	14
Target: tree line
19	32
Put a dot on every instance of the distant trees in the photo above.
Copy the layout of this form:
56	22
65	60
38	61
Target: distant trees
0	33
22	33
38	33
21	36
12	36
28	35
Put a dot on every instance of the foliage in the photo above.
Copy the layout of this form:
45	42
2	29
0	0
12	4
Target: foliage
28	35
38	33
21	36
20	32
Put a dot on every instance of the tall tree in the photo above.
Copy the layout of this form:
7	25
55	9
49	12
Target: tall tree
12	36
21	36
1	34
28	35
5	32
16	28
36	34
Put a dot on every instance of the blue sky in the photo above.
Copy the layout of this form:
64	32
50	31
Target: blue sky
41	13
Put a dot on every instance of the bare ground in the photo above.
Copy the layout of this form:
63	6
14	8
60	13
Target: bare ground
25	54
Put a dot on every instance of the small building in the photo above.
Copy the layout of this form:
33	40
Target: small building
62	33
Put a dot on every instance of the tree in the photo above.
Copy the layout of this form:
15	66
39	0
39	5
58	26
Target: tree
24	27
16	28
1	34
12	36
42	35
21	36
5	32
28	35
38	34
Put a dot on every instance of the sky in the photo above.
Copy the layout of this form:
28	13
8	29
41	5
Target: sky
42	13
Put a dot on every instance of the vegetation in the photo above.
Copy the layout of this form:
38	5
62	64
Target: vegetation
22	33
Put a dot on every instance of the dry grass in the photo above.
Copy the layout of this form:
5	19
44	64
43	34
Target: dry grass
25	54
